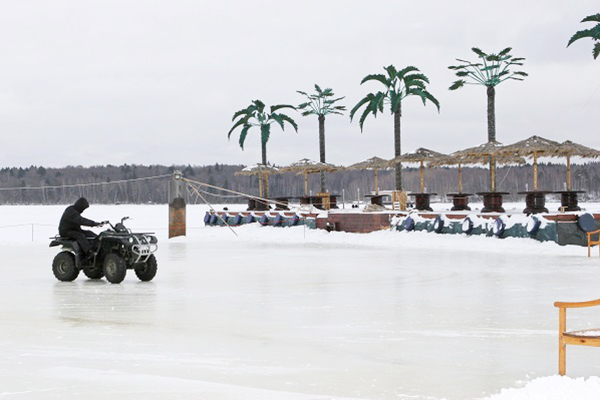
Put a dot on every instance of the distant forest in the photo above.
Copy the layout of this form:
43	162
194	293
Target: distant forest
138	184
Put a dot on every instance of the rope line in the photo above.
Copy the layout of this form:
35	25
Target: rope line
213	210
239	194
86	184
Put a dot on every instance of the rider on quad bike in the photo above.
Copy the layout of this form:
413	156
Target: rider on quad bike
109	255
70	226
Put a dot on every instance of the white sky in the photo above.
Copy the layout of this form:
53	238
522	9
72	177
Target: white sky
157	82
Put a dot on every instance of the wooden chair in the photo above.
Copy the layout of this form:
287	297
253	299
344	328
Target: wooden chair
591	242
589	337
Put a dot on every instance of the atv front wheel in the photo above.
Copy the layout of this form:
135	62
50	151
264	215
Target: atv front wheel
63	267
114	268
147	271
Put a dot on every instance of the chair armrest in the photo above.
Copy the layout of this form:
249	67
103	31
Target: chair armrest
577	304
593	232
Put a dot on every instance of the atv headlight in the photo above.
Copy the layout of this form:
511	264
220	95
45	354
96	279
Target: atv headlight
130	240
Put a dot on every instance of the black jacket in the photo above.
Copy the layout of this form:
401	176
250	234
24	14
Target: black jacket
72	220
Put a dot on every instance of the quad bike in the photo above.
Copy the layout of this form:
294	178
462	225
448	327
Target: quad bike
114	251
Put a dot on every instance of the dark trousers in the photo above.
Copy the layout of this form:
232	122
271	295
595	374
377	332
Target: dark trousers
82	237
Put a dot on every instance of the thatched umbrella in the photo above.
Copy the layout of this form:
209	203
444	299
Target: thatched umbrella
487	151
532	147
569	149
374	163
459	159
307	167
421	155
263	171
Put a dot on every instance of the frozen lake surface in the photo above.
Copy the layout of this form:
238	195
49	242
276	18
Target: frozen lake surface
292	313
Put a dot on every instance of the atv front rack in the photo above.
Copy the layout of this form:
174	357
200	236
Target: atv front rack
142	247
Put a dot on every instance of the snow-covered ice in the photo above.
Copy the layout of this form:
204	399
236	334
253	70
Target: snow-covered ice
294	313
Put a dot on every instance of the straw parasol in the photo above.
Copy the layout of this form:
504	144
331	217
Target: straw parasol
569	149
306	167
374	163
459	158
487	151
421	155
262	170
533	147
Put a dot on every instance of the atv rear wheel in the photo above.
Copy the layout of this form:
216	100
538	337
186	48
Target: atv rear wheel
147	271
114	268
63	267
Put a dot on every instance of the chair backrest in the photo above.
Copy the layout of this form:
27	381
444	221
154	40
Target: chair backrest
587	223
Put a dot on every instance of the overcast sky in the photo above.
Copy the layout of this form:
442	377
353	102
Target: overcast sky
157	82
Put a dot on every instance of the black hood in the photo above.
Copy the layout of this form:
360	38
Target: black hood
81	204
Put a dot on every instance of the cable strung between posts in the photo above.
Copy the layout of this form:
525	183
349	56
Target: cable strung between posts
240	194
212	209
87	184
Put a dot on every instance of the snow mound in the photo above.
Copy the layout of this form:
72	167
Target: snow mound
553	388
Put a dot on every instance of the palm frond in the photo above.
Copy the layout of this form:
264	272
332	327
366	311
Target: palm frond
259	105
592	18
457	84
596	50
358	105
478	52
289	120
376	77
318	89
580	35
277	118
490	67
392	72
416	77
402	73
302	93
240	122
280	106
363	117
505	51
243	135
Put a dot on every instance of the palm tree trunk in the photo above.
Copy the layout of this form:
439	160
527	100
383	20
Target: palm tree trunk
264	177
491	119
397	147
322	149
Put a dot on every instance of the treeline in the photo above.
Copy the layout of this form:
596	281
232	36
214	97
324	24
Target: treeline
138	184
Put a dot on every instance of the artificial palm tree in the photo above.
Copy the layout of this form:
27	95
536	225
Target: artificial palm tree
490	72
593	34
398	86
255	115
321	104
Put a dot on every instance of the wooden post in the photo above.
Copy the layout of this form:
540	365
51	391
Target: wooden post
569	173
422	178
535	170
376	179
325	200
493	174
459	178
177	206
399	200
562	351
306	183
